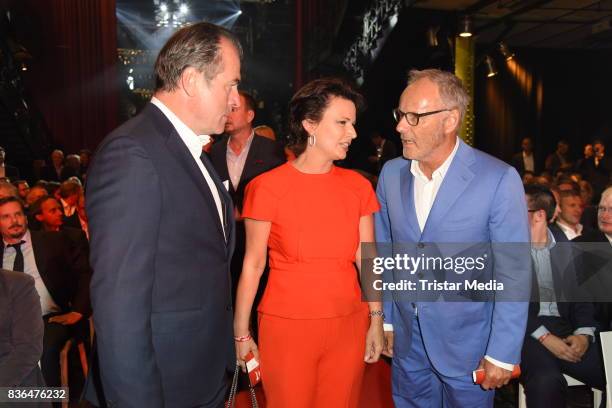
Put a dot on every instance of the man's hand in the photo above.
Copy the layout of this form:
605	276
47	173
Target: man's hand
66	319
388	348
560	349
578	342
495	377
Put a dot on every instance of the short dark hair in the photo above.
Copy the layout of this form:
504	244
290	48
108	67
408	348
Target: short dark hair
540	197
68	188
569	193
249	100
196	45
310	102
36	207
12	199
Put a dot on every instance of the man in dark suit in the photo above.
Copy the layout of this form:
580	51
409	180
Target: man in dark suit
238	158
525	159
161	228
243	154
61	275
595	261
560	336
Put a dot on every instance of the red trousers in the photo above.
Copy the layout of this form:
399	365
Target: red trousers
312	363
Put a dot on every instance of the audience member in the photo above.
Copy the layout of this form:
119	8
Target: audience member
69	193
559	161
383	151
265	131
34	194
560	336
53	171
6	170
23	188
583	165
568	220
7	189
72	167
525	159
61	278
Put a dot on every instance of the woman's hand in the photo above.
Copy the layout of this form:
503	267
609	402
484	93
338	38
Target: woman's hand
375	340
242	349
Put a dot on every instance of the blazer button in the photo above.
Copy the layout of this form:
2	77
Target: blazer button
228	308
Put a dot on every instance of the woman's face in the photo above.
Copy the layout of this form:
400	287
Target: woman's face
336	129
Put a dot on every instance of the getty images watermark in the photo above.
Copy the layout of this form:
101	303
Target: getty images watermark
479	272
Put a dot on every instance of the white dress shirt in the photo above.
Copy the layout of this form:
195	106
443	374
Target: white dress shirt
528	162
235	162
425	189
68	210
569	231
194	144
47	304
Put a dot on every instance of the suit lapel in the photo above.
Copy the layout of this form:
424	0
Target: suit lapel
456	180
407	200
226	200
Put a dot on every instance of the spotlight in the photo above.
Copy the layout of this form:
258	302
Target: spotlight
24	67
465	27
163	7
239	12
505	51
183	8
491	70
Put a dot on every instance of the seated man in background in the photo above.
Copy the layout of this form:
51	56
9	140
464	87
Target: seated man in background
596	261
568	220
69	193
560	336
61	276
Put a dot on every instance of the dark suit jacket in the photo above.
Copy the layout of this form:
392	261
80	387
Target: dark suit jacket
595	264
161	286
519	164
263	155
578	314
21	331
64	270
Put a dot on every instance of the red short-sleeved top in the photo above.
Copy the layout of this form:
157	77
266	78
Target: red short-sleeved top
313	239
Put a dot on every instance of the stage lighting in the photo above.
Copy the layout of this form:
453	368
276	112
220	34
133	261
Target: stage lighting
505	51
163	7
183	8
465	27
491	70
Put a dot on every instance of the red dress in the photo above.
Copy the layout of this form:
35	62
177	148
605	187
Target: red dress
312	318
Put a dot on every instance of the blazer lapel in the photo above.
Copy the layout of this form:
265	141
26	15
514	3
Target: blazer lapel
456	180
226	200
407	200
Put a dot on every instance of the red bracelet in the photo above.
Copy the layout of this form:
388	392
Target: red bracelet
242	339
543	337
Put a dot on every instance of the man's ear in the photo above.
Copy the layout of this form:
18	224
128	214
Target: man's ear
451	123
39	217
188	80
250	116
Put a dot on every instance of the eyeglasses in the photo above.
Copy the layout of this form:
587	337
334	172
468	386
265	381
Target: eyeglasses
603	209
412	117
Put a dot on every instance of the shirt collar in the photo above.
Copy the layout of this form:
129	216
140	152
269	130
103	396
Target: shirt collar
246	147
550	242
194	142
609	238
566	227
26	239
440	172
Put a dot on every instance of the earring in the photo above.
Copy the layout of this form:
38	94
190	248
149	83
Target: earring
312	139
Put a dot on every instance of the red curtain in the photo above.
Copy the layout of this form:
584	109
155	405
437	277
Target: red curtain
72	77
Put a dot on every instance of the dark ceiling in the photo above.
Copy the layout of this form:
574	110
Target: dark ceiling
585	24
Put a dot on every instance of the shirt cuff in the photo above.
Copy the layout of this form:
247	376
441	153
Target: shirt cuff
589	331
505	366
387	327
539	332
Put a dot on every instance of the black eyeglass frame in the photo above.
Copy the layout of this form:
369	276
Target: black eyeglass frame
398	115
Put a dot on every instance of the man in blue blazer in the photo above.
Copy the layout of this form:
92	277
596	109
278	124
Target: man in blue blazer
444	191
162	233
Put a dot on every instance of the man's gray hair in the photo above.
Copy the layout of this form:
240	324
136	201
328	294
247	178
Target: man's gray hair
452	91
197	46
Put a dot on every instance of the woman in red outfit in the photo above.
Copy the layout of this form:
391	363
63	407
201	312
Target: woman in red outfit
315	333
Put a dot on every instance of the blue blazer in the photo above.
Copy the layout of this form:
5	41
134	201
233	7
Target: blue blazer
481	200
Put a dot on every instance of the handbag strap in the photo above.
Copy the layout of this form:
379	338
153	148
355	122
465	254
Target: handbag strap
231	401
